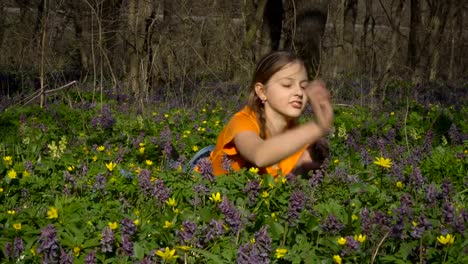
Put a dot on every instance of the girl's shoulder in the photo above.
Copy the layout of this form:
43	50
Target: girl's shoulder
245	119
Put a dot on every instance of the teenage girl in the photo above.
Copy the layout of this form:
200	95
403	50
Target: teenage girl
265	133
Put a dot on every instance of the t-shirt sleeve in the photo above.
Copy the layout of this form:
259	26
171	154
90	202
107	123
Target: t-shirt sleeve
239	122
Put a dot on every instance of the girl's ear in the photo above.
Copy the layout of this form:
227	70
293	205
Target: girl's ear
260	91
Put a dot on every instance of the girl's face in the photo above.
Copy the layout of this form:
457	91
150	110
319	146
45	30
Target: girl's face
284	92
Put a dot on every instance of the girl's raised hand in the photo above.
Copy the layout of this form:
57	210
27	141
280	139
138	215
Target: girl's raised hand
319	97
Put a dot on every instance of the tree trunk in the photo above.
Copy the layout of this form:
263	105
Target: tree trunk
133	74
414	42
395	39
339	31
43	45
440	11
366	55
252	25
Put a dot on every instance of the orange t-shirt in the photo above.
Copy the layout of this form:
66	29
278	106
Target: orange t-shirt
245	120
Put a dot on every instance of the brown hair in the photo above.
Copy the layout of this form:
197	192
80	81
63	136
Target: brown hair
268	65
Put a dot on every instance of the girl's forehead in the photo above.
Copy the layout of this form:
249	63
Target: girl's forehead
294	70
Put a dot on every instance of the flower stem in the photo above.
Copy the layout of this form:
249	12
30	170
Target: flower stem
446	253
285	233
420	251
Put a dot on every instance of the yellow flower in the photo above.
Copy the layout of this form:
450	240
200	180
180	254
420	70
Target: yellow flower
148	162
336	161
280	252
399	185
195	148
136	222
33	251
71	168
11	212
392	113
52	213
101	148
354	217
361	238
110	166
141	144
447	240
184	248
141	150
166	115
176	210
171	202
168	224
113	225
254	170
215	197
341	241
383	162
265	194
94	158
337	259
273	216
26	173
167	254
77	251
252	240
17	226
1	189
12	174
8	160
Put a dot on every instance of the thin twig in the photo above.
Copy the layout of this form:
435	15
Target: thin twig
378	246
49	91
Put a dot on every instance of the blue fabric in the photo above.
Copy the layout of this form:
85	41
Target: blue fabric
202	153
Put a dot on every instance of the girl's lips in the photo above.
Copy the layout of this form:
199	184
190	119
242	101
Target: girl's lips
296	104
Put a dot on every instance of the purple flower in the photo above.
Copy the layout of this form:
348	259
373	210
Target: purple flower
421	224
447	189
351	246
406	205
232	215
397	229
226	163
128	227
205	167
66	258
201	189
455	135
160	191
448	211
9	249
144	181
99	183
49	245
91	257
316	179
257	252
332	225
252	188
416	179
296	203
214	230
107	239
18	247
431	195
28	165
188	231
366	222
104	119
127	245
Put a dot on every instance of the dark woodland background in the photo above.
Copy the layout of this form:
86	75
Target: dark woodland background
148	47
